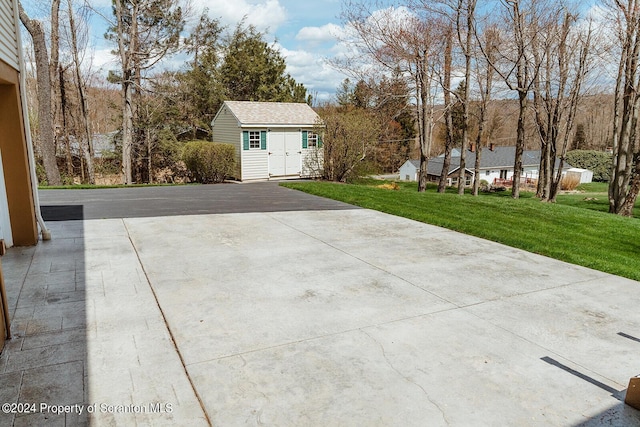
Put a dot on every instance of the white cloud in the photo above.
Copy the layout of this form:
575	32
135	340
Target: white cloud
103	59
312	70
264	15
326	33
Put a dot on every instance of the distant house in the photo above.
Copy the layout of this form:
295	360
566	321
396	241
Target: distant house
496	165
273	140
410	169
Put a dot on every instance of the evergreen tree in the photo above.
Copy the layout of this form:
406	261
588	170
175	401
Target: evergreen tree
252	70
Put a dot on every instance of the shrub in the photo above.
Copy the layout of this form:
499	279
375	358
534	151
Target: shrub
570	181
598	162
209	162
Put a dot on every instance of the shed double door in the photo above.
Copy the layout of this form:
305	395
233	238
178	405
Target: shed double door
285	152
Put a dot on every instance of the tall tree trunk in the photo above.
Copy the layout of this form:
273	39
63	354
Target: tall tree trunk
57	110
442	183
45	119
426	118
470	14
630	201
626	110
88	149
126	53
520	141
64	108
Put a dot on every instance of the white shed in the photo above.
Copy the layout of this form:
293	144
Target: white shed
273	140
409	170
585	175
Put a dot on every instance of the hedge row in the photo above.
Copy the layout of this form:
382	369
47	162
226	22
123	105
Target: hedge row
209	162
597	161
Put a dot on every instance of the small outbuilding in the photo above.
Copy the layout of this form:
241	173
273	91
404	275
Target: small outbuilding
273	140
585	175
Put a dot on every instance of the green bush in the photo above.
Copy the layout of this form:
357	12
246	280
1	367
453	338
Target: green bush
209	162
597	161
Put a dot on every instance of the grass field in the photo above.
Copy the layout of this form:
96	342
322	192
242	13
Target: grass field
575	230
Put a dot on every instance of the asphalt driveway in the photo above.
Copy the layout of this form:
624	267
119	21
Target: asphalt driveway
320	316
135	202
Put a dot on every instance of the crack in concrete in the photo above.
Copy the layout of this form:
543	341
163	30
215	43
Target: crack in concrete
166	324
406	378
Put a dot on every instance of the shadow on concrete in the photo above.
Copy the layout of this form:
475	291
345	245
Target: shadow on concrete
62	213
43	367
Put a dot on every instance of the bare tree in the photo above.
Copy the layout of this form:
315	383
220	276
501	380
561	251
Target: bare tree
517	66
45	116
557	90
87	146
485	75
145	32
448	104
625	176
399	40
465	11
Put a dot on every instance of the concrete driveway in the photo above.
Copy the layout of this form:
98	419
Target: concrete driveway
321	317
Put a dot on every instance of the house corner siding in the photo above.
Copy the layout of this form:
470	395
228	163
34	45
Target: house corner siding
19	202
15	160
9	52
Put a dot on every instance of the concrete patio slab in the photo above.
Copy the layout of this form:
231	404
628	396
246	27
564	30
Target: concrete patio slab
356	317
315	317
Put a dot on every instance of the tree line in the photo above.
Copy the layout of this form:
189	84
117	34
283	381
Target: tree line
456	56
157	109
419	71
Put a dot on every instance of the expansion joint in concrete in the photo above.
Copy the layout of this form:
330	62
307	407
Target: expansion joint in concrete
166	324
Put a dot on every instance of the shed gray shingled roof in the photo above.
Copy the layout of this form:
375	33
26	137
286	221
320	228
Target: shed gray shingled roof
272	113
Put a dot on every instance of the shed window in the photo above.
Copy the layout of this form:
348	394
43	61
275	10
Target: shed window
254	139
312	139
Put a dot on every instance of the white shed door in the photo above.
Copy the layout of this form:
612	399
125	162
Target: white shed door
285	150
293	147
276	153
5	224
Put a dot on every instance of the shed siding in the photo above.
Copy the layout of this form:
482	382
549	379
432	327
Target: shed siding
226	130
8	34
255	165
312	159
312	162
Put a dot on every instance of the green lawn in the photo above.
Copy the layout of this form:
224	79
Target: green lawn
564	230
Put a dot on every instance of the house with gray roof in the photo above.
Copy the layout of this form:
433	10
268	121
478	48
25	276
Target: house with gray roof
273	140
496	165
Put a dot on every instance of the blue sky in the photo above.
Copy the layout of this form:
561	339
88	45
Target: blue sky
303	30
